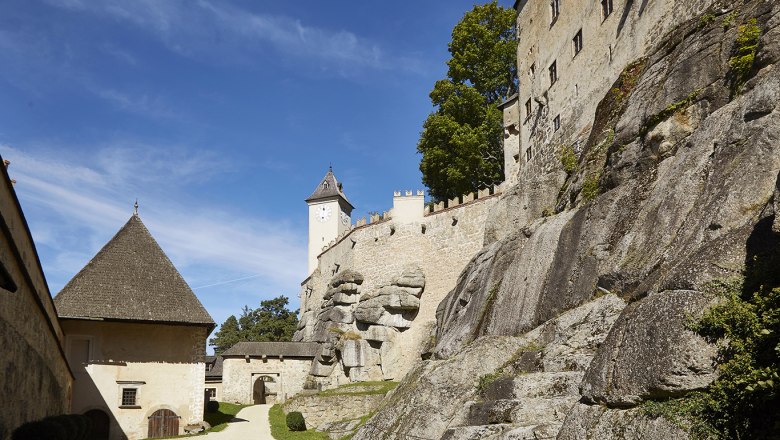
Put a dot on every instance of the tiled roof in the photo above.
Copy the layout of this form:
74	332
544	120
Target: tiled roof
329	187
216	367
286	349
131	278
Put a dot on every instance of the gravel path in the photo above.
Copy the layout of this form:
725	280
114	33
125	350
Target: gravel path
250	423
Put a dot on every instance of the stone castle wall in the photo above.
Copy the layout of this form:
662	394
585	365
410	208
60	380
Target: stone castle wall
238	377
440	244
36	381
609	44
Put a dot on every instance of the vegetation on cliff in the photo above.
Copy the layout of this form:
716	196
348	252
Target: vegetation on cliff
461	142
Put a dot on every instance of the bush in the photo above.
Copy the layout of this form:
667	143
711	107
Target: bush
212	406
295	421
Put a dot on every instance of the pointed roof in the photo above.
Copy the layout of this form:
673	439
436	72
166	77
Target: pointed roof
329	187
131	279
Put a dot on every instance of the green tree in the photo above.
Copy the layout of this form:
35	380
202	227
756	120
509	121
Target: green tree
272	321
461	141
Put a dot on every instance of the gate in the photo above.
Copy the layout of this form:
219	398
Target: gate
258	391
163	423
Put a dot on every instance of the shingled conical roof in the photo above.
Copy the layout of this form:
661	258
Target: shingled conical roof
329	187
131	278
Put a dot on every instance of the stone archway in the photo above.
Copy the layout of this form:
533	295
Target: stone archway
258	391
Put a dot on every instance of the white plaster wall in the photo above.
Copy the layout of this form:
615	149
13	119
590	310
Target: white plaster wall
238	377
442	252
164	360
583	80
408	208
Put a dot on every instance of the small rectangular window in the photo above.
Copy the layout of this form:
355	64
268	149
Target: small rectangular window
528	154
555	10
532	70
557	122
577	42
606	8
553	73
212	393
528	108
129	396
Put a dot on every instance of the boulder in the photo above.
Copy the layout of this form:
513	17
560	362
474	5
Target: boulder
353	353
341	315
411	277
650	354
598	422
347	276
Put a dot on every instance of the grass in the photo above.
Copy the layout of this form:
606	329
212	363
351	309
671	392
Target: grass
279	427
357	389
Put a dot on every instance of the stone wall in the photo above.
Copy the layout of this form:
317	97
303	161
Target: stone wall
609	44
440	244
321	411
239	376
36	381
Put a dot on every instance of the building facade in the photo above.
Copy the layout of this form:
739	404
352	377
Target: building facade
36	381
569	54
136	337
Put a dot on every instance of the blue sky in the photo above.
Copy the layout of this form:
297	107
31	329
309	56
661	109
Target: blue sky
220	117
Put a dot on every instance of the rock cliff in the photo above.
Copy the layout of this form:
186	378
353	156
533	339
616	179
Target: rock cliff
566	322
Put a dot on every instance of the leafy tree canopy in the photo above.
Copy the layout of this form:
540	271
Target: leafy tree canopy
272	321
461	143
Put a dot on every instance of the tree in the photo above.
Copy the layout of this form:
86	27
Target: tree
272	321
461	141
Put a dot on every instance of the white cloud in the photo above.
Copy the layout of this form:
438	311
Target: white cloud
75	204
216	29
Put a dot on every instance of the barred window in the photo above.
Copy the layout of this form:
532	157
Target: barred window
606	8
129	396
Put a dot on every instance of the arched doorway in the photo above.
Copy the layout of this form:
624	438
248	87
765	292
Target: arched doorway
101	424
163	423
258	391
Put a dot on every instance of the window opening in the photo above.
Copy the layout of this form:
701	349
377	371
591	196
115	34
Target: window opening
557	122
528	154
606	8
532	70
577	42
129	396
212	393
528	108
553	73
555	9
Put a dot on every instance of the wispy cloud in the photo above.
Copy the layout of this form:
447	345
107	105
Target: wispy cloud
74	206
206	28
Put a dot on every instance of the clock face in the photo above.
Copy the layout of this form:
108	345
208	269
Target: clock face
322	213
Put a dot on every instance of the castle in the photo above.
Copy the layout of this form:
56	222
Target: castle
355	301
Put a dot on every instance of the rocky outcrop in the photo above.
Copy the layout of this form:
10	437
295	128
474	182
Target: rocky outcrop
499	384
358	329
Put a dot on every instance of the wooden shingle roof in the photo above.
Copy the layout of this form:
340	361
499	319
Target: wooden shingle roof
286	349
131	279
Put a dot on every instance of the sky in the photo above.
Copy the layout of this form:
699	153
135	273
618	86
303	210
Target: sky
220	117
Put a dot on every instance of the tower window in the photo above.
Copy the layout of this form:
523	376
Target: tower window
325	185
606	8
553	73
557	122
528	154
577	42
532	70
555	10
528	108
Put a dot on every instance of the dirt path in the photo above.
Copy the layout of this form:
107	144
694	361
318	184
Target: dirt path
250	423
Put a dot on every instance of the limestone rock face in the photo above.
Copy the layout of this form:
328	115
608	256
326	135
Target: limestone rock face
597	422
537	377
649	354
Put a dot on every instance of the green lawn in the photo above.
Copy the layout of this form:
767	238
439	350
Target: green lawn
280	432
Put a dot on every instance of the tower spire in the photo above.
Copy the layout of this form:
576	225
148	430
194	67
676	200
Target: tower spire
135	207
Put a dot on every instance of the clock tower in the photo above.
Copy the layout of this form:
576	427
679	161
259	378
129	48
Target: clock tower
329	216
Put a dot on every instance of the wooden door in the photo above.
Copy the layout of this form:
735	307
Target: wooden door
163	423
258	392
100	424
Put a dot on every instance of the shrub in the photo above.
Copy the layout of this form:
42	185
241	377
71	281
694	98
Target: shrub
744	53
568	160
212	406
590	188
295	421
